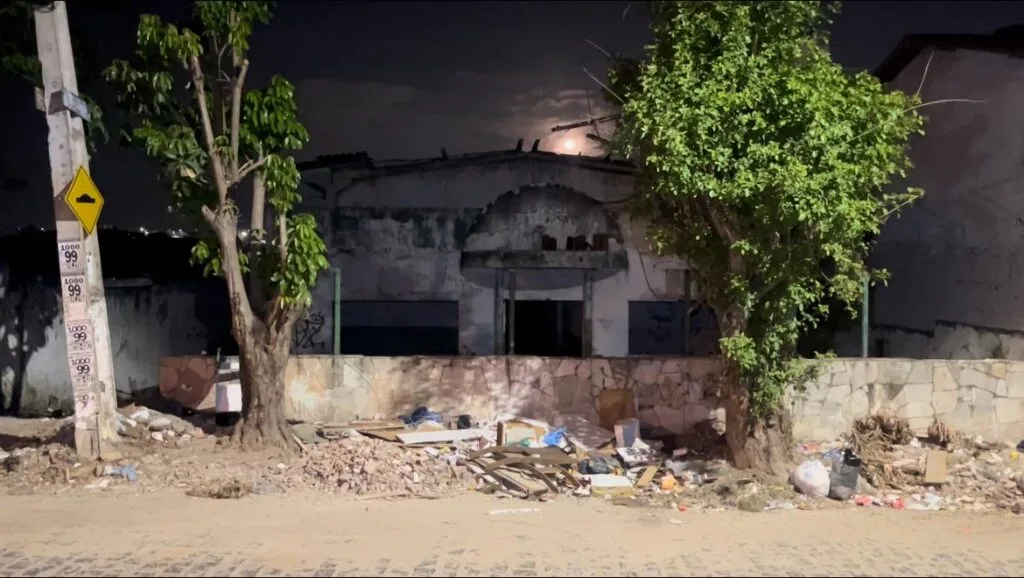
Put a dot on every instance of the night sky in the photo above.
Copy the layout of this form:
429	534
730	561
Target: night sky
403	79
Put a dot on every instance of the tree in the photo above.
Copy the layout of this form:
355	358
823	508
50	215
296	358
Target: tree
185	96
19	59
766	165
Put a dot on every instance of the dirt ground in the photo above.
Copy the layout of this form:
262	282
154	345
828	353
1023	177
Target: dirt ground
164	533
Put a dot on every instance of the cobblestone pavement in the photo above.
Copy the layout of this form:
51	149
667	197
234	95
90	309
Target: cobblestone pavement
166	534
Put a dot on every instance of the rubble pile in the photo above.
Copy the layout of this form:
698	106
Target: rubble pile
364	466
38	467
947	470
143	423
880	462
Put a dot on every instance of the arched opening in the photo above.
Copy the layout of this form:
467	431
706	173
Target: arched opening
544	247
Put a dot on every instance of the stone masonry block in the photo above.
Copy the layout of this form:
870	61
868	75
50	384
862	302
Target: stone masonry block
970	376
857	405
920	372
1015	385
944	401
647	371
942	377
998	369
916	393
1009	410
894	372
835	398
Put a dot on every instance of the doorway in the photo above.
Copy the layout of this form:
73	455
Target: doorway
544	328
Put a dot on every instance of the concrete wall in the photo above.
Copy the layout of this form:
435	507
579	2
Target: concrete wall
955	255
147	322
985	397
399	236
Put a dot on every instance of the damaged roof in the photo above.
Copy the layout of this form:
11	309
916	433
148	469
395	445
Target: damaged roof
1008	41
362	162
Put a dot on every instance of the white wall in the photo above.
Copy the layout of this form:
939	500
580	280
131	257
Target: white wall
146	322
956	256
386	263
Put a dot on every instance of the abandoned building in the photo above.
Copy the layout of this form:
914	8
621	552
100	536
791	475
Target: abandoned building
954	255
518	251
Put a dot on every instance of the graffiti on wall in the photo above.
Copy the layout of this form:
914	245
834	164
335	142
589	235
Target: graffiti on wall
308	333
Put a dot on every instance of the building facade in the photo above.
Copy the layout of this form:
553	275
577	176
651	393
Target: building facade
956	256
522	252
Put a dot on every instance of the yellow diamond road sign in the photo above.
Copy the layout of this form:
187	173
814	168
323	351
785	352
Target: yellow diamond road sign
85	200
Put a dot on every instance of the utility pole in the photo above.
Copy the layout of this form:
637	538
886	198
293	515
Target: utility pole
76	205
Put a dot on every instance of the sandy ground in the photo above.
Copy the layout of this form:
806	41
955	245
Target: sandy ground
164	533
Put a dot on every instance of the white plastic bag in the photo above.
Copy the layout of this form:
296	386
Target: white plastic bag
811	478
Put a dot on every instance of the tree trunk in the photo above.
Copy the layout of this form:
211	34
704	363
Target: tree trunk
264	358
756	443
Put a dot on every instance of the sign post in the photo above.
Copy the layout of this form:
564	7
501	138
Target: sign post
77	204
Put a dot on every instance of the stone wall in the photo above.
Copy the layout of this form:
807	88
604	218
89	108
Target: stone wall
985	397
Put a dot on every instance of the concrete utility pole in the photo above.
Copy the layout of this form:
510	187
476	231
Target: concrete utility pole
76	205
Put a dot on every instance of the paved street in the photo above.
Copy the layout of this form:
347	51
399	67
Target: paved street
167	534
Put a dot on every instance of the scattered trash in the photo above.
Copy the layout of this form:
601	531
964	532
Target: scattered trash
812	479
420	415
844	475
98	484
230	490
668	482
866	501
512	511
929	502
127	472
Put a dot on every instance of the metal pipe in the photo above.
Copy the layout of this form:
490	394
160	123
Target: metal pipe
686	309
512	312
865	307
337	311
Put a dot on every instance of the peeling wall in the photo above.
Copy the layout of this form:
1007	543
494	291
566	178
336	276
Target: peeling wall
955	255
147	322
400	237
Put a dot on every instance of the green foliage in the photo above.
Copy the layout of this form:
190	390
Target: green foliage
175	70
765	164
19	58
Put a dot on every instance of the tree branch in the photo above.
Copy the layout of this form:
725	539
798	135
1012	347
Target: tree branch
199	82
259	199
236	115
282	238
249	167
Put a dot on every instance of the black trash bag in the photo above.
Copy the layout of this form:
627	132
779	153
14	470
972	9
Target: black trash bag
844	476
597	465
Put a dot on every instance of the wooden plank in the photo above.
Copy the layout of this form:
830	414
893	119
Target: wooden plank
647	477
388	435
451	435
366	424
614	405
935	470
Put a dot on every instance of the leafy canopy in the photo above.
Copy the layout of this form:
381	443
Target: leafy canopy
187	106
765	164
19	58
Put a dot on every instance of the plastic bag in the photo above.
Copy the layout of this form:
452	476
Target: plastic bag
811	478
844	476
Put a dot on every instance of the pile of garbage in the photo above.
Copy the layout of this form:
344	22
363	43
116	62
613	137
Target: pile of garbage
426	454
881	463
